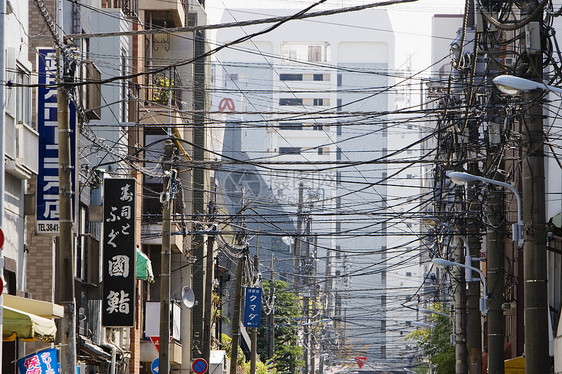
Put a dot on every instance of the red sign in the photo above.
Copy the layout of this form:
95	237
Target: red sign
156	341
1	238
226	105
360	361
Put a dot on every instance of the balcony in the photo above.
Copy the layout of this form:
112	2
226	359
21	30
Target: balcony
129	7
163	88
152	235
173	12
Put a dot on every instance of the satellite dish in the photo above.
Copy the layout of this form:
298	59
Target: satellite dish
188	297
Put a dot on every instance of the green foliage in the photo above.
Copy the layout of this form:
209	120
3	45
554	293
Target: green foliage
227	346
288	353
436	342
260	368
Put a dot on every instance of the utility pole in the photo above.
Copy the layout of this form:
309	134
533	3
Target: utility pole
537	359
254	348
208	291
460	308
236	313
2	151
297	244
271	316
495	227
66	229
306	299
166	260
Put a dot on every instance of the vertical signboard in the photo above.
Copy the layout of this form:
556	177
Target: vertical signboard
47	125
118	252
43	362
252	307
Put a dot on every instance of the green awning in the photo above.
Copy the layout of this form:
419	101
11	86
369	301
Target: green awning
27	326
144	267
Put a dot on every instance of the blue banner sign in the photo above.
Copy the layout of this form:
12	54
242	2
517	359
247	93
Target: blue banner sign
43	362
47	126
252	307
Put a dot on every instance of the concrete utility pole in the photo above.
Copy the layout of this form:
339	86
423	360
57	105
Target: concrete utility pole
460	309
166	260
537	359
271	316
66	229
236	313
210	261
297	243
495	229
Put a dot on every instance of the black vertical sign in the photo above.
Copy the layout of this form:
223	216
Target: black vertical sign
119	261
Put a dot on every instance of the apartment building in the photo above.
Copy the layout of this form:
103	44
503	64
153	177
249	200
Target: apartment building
308	100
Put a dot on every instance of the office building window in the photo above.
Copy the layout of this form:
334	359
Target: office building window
318	77
320	151
23	98
317	127
339	105
318	102
290	77
289	150
340	80
338	153
290	101
290	126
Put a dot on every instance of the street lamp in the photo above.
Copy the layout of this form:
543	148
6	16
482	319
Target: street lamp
463	178
484	299
511	85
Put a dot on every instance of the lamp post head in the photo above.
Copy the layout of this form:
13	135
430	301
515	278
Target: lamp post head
510	85
442	262
458	177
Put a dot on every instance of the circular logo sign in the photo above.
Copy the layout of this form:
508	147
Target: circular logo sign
199	366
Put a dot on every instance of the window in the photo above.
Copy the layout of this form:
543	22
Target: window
320	151
338	153
290	77
314	53
339	105
290	101
340	80
290	126
408	273
317	127
289	150
318	77
338	177
318	102
23	97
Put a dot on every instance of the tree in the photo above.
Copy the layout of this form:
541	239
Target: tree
436	342
287	311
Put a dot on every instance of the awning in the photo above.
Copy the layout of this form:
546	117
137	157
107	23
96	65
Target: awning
40	308
144	267
27	326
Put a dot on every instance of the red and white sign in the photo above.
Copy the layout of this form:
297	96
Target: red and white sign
156	341
1	238
226	105
360	361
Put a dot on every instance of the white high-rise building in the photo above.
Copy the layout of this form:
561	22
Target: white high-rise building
312	102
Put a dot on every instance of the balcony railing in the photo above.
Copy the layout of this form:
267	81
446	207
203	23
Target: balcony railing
129	7
162	86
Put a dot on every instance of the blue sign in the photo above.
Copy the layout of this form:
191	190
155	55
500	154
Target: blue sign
43	362
199	366
48	152
155	366
252	307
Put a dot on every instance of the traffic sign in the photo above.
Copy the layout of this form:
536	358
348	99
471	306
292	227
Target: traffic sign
199	366
270	365
360	361
156	341
1	238
155	366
